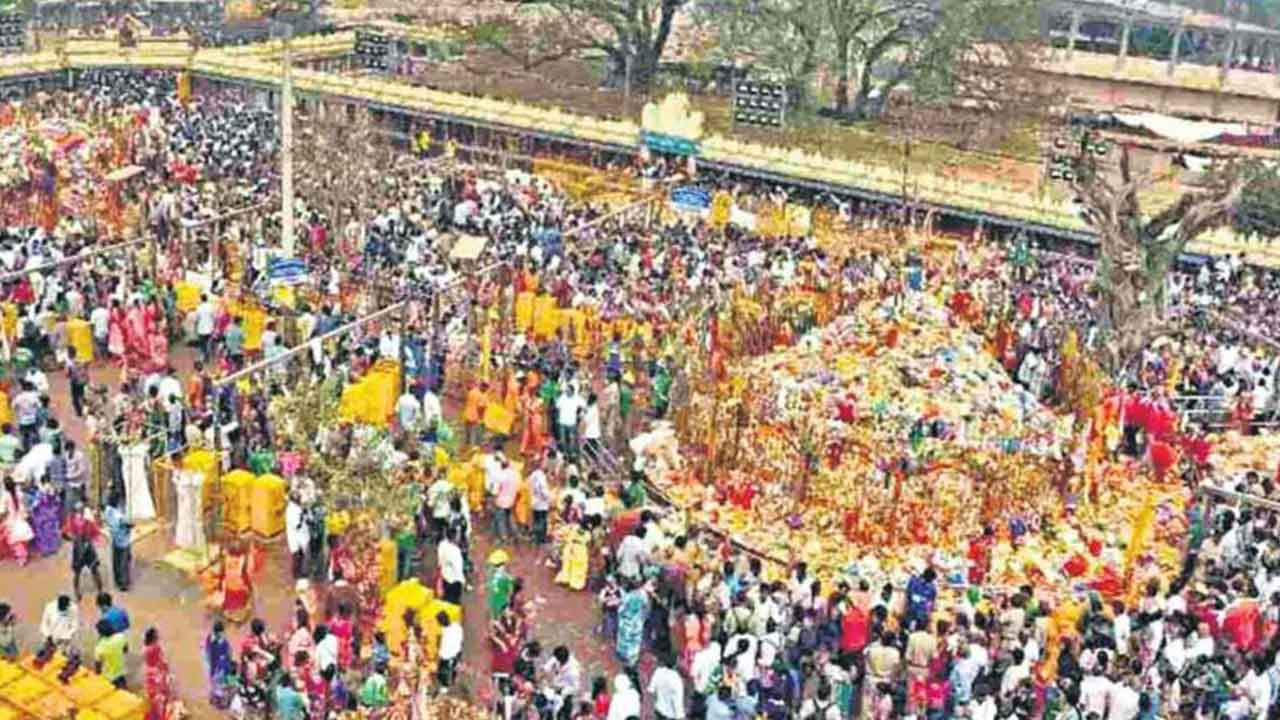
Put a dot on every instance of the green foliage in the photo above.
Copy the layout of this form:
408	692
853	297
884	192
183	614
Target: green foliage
1258	212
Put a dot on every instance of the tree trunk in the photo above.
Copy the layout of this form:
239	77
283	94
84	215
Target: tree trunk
1133	298
842	76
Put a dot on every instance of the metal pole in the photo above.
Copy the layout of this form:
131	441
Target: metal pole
69	260
626	91
304	346
286	148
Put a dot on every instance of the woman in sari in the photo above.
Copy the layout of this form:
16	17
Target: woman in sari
234	598
695	631
632	614
258	662
15	531
506	636
574	555
343	628
158	684
533	426
219	667
300	640
46	521
116	331
135	331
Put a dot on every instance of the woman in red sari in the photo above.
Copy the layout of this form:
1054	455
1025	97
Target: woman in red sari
234	598
116	334
158	684
342	628
533	433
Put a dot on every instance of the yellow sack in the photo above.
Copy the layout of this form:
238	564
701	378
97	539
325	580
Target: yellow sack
524	312
270	495
187	296
497	419
354	403
546	317
237	500
80	338
573	564
387	562
10	320
255	321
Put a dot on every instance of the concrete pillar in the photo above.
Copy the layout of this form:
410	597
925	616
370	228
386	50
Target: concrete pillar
1177	43
1075	30
1275	61
1233	37
1125	29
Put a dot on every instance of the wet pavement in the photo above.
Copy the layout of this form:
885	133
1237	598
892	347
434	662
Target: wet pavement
164	598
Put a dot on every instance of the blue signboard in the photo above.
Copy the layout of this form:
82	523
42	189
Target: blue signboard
670	144
287	271
688	197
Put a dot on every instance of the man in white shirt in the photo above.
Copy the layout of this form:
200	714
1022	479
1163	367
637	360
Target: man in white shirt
1095	690
540	501
567	407
430	412
631	554
100	321
1122	701
745	647
703	667
204	319
438	497
449	560
408	411
1257	687
666	687
296	534
591	432
1014	674
326	649
450	649
60	622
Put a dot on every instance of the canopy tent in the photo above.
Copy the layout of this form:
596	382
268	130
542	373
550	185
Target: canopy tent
468	247
124	173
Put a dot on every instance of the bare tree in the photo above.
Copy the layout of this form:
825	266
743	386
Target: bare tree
1138	252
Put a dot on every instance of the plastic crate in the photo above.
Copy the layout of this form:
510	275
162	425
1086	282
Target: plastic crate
9	672
24	693
53	706
88	689
122	705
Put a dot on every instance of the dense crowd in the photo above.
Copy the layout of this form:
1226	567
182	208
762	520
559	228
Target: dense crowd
699	628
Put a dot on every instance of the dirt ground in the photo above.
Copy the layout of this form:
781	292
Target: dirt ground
170	601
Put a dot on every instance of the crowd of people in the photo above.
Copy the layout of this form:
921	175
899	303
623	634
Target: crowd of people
699	628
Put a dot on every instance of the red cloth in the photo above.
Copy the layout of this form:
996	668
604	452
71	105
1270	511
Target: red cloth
1161	421
1199	448
1076	565
1163	457
853	629
1135	411
979	558
1242	625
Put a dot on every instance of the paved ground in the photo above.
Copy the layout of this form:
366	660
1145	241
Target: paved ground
164	598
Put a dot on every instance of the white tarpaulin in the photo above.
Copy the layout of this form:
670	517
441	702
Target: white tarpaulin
1178	129
1196	163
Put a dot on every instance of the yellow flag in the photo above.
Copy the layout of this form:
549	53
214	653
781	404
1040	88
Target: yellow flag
184	87
1143	523
721	208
